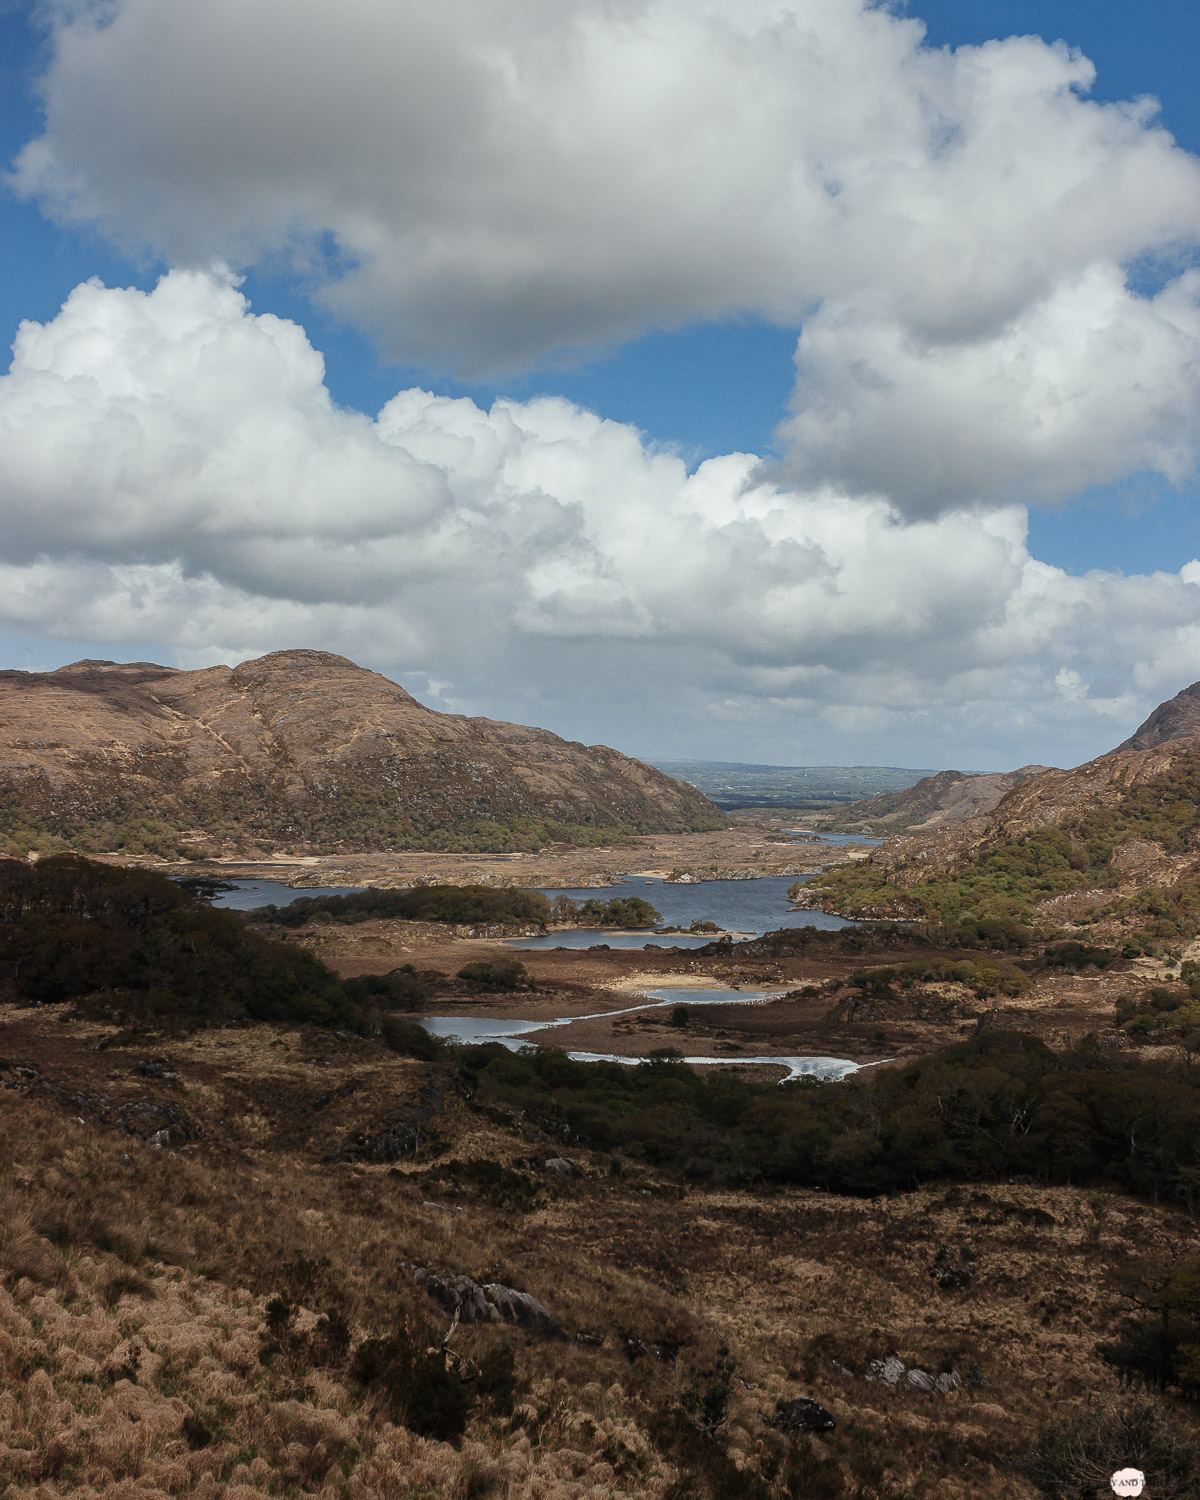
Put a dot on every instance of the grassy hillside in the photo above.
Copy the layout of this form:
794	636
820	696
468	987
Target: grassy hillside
1010	877
235	1311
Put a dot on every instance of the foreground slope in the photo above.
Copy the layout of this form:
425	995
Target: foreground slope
301	750
1115	841
218	1297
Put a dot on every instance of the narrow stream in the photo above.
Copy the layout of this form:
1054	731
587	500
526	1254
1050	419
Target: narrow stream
515	1034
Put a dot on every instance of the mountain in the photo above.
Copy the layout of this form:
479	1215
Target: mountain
298	750
949	797
1176	719
1113	845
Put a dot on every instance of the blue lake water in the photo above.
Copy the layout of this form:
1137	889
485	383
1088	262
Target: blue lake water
745	906
598	937
742	906
515	1034
832	838
247	894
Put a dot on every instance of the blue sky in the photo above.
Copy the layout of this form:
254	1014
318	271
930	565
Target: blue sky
710	386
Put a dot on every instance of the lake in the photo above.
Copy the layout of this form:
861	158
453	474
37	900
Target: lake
515	1033
745	906
247	894
810	837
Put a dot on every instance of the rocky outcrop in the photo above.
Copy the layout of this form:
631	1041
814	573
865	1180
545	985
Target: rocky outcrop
298	750
1177	719
801	1415
945	800
475	1302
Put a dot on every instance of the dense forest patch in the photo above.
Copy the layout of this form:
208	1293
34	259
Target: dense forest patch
1003	1104
133	945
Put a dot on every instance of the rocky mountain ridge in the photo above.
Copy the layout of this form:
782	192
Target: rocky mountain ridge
946	799
1077	843
298	750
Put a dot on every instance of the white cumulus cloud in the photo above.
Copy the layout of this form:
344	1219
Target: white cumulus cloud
172	468
483	182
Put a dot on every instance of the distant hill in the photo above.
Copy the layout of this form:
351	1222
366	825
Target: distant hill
1112	845
301	751
737	784
947	798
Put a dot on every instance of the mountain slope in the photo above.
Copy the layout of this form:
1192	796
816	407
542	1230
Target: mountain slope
1113	844
950	797
1178	718
301	750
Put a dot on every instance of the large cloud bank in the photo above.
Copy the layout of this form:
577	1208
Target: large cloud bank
483	182
172	468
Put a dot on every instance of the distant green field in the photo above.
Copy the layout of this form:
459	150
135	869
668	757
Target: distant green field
732	784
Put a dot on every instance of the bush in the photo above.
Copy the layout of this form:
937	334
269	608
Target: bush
621	911
466	904
1077	1455
499	974
139	945
1079	1117
416	1385
1075	956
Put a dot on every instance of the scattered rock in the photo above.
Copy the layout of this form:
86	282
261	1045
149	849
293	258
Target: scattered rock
395	1141
951	1277
154	1068
919	1380
442	1208
523	1310
563	1167
146	1118
801	1415
946	1382
888	1370
491	1303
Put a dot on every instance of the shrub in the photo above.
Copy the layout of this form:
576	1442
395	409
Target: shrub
1077	1455
416	1385
620	911
1074	956
497	1380
498	974
469	904
705	1400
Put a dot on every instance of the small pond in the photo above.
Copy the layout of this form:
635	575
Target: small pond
838	839
515	1034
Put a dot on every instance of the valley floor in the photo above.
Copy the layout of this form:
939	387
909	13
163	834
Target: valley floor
752	845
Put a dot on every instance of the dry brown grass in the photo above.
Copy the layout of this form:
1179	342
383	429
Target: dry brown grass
136	1359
